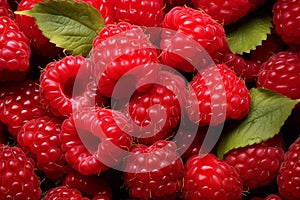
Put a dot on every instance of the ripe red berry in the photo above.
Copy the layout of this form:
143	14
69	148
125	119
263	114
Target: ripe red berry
119	51
40	137
154	171
143	13
207	177
286	20
58	91
186	31
18	180
257	164
15	49
280	73
95	139
245	69
19	103
157	112
288	177
217	85
62	192
225	12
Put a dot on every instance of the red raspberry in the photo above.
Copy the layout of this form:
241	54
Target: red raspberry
18	180
225	12
39	43
286	20
123	50
245	69
95	186
257	164
288	177
41	138
235	103
57	86
20	103
280	73
106	8
15	47
191	27
207	177
93	139
157	112
154	171
62	192
143	13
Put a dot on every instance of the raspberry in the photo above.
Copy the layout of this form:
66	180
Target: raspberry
207	177
62	192
157	112
143	13
57	81
235	94
288	177
286	20
15	47
257	164
190	27
19	103
123	50
245	69
18	180
95	186
225	12
103	131
154	171
41	138
280	73
39	43
106	8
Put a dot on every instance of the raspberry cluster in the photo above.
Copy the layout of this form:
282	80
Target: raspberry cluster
135	118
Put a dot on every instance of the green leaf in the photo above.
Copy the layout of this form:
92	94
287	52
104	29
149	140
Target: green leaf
68	24
249	33
269	111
